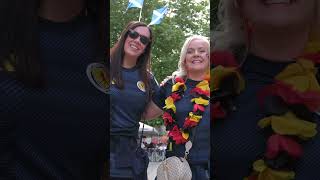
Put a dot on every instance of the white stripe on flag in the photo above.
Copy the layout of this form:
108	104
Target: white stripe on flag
157	13
135	3
155	20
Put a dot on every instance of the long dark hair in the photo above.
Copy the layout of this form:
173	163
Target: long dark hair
18	21
143	62
19	36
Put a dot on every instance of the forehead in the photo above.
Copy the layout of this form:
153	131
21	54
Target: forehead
198	43
143	30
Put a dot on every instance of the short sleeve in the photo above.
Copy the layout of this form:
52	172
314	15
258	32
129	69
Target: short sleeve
154	85
161	94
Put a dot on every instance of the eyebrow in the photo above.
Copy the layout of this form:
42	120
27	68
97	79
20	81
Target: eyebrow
197	48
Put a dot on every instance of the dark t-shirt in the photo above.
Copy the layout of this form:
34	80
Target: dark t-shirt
199	153
237	141
59	132
128	104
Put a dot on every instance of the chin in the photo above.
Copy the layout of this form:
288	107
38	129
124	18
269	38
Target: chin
197	70
132	54
284	21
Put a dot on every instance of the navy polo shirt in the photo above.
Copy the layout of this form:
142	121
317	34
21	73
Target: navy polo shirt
237	141
58	132
128	104
200	151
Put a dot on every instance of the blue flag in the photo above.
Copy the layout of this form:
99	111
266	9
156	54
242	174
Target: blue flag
158	15
135	3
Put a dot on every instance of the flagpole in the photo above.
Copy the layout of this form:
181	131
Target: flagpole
140	14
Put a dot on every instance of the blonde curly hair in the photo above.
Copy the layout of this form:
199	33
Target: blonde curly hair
182	71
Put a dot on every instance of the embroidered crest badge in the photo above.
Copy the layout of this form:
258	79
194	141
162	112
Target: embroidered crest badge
141	86
98	76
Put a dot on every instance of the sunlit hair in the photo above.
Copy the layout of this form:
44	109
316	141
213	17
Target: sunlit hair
231	31
182	71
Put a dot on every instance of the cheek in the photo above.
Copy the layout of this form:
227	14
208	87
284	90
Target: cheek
126	44
187	59
206	57
186	63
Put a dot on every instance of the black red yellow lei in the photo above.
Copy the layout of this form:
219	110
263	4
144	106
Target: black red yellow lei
201	96
296	96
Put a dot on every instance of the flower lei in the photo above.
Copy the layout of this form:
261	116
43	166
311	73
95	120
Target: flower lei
289	104
201	96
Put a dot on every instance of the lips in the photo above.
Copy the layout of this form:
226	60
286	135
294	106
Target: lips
134	46
196	61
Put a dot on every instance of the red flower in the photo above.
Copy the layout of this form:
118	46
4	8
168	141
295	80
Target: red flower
277	143
175	96
167	118
290	96
253	177
180	80
217	111
188	123
315	57
223	58
176	135
197	107
200	91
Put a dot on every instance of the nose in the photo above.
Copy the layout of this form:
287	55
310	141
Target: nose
196	53
137	40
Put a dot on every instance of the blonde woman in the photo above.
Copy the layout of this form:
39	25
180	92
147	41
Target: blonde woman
184	99
265	126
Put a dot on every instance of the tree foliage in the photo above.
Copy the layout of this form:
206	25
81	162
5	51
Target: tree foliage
213	14
185	17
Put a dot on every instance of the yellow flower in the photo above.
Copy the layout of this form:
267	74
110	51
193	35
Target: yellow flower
170	104
194	118
185	135
301	75
289	124
176	86
200	100
266	173
220	72
203	85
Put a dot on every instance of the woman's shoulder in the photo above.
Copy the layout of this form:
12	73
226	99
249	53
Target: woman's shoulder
168	81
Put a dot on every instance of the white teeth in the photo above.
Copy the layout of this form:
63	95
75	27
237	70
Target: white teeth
133	46
196	61
277	2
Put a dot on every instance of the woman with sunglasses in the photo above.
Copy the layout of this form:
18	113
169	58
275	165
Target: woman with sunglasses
131	89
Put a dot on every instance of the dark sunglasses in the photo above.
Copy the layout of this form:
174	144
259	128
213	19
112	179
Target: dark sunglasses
134	35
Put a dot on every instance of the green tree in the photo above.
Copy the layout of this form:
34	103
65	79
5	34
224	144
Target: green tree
213	14
184	18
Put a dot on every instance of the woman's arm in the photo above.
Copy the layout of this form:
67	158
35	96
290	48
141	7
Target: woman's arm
152	111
